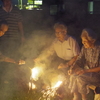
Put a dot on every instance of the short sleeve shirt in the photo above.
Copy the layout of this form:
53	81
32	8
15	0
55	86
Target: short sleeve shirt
67	49
12	18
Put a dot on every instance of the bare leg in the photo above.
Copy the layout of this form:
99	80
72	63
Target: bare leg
84	96
76	96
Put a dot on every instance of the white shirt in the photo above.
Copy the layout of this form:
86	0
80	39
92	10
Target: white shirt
65	50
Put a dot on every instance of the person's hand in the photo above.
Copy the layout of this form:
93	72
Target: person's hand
62	66
81	72
69	72
21	62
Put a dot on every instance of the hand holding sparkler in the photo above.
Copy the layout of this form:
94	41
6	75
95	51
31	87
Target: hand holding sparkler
21	62
81	72
63	65
9	60
77	71
70	72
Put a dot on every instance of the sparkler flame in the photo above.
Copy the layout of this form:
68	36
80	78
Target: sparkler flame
34	76
58	84
31	86
50	91
35	72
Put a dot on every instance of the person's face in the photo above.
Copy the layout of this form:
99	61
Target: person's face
1	34
60	34
4	27
87	43
7	3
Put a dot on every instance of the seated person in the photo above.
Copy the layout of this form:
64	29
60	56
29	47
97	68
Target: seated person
86	70
64	45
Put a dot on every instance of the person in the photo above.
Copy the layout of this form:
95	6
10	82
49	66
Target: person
15	34
7	77
64	45
13	17
86	69
3	29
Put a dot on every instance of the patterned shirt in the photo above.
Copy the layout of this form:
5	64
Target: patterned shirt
89	57
12	17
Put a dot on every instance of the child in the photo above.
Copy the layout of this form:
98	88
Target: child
3	27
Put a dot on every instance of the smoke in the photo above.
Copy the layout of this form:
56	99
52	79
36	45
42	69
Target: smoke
37	46
14	77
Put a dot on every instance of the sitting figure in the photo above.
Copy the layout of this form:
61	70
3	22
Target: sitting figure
86	70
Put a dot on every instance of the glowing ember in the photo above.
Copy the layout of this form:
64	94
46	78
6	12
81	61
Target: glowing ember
50	92
31	86
35	73
58	84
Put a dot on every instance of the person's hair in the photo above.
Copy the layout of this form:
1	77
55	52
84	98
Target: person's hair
61	26
89	34
2	0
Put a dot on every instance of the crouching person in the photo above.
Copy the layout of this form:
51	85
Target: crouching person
86	70
3	28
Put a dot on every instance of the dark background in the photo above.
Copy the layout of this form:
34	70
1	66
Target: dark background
74	13
38	28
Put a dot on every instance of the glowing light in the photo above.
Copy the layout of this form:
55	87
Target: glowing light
58	84
31	86
35	73
50	91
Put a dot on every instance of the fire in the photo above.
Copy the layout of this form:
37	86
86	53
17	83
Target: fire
50	91
36	71
31	86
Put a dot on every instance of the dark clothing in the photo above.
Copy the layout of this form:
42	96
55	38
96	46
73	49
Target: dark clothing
12	18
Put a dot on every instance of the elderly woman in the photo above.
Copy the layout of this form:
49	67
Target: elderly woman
86	70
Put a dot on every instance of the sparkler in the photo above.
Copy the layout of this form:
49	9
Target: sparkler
35	73
31	86
50	91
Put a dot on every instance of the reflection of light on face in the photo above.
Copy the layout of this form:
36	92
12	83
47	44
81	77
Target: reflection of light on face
87	43
4	27
60	34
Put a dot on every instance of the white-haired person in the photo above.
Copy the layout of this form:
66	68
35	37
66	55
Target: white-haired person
86	70
64	46
66	49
